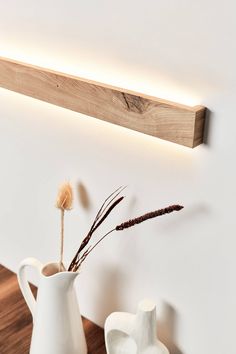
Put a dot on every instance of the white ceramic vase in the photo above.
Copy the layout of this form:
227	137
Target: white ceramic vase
126	333
57	323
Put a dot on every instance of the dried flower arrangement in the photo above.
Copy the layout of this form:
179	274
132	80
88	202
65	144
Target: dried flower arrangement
64	202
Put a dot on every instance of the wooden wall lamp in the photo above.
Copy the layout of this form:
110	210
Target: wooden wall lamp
163	119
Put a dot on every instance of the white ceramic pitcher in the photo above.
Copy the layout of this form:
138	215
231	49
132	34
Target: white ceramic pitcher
57	323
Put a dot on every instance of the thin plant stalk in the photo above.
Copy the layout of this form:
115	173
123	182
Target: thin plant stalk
108	202
62	240
108	205
89	250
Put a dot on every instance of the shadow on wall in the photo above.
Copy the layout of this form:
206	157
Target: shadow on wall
191	213
109	294
83	196
207	127
167	329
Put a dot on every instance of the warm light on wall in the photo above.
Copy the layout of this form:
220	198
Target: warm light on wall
150	115
113	73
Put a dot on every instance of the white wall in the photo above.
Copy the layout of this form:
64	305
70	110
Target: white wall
180	50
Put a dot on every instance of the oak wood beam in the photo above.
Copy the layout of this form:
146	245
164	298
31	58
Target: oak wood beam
167	120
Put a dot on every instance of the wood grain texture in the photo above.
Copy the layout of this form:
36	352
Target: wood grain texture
163	119
16	320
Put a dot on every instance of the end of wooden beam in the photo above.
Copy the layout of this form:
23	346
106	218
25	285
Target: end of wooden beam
198	135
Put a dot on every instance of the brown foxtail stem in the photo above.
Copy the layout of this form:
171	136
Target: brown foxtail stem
126	225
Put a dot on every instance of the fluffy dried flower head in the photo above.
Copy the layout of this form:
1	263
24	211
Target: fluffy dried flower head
65	197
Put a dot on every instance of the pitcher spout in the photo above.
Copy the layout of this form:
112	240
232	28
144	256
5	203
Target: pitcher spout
60	279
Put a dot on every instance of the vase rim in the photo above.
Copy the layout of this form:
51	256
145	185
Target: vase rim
51	270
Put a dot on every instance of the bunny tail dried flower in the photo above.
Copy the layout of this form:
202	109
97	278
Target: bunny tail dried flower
64	202
65	197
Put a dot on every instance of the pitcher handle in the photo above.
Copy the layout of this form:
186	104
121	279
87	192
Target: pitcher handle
24	284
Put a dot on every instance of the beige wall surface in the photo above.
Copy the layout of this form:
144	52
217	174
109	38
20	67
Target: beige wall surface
181	50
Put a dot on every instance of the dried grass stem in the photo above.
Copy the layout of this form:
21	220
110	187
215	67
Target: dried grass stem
62	239
108	205
125	225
